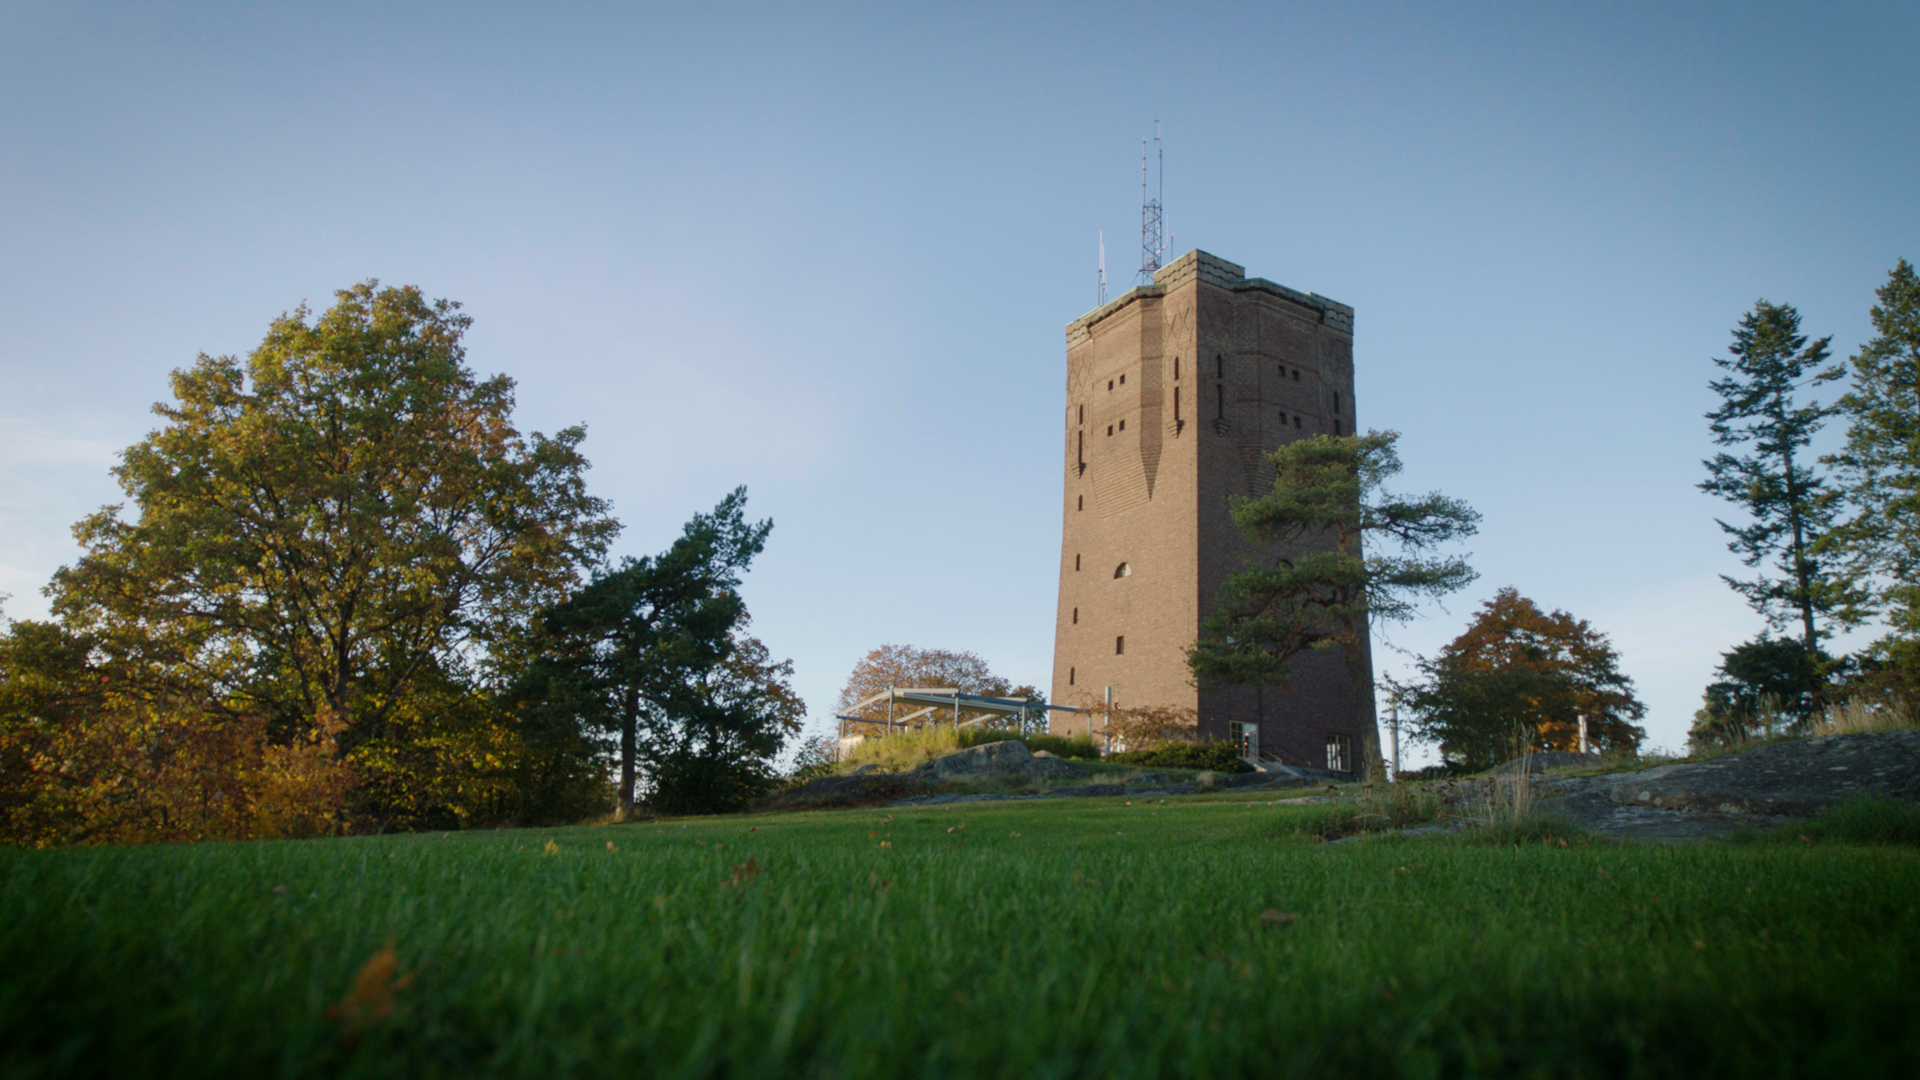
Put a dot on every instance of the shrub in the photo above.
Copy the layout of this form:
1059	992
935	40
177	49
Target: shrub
1215	756
1063	746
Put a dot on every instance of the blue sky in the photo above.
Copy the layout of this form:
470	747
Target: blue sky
829	252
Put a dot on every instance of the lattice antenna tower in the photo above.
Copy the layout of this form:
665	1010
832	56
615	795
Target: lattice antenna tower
1152	247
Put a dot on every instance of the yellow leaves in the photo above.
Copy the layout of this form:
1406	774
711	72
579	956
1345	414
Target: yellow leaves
1276	917
885	844
551	849
370	1000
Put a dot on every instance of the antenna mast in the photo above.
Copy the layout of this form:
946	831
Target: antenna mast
1151	246
1100	276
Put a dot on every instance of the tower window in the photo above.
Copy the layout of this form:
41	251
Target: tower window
1339	753
1109	384
1336	401
1120	645
1109	429
1296	421
1296	374
1079	502
1083	415
1123	570
1069	676
1336	425
1176	406
1076	562
1220	402
1219	366
1076	616
1123	425
1123	380
1176	369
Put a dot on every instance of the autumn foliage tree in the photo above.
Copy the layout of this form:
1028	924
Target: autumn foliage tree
907	667
1522	678
326	543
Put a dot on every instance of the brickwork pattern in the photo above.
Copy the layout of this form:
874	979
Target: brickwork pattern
1176	391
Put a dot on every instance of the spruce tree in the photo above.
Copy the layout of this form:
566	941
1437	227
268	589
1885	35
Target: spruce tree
1769	473
1878	548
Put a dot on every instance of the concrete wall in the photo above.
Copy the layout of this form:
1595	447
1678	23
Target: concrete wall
1175	392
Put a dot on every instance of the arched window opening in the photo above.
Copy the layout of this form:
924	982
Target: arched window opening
1123	570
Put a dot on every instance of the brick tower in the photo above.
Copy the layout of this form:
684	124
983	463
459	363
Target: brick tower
1176	391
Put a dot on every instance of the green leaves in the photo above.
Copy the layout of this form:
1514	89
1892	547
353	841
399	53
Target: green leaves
1338	550
1519	676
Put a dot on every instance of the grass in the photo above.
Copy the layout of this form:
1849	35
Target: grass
1207	936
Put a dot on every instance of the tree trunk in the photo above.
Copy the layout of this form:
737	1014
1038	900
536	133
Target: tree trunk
629	725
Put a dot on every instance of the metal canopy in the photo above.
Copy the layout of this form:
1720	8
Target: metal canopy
932	699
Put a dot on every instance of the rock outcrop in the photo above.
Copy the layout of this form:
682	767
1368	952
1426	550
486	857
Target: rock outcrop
998	759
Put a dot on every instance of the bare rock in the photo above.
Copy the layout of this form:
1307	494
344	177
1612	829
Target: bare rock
998	758
1795	778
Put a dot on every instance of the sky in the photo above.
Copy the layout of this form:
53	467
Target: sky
829	252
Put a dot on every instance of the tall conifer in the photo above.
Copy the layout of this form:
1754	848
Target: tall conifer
1879	471
1769	471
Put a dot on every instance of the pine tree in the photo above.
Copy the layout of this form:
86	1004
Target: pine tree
1879	471
1340	551
1790	507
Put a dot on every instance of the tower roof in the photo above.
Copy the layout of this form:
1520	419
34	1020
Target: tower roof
1216	271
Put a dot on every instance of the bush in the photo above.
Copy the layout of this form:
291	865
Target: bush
1062	746
1215	756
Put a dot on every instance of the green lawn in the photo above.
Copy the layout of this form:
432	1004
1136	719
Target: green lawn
1038	939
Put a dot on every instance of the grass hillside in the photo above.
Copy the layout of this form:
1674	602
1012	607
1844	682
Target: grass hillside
1209	937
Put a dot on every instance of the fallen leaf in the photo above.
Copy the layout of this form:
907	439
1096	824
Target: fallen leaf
742	874
370	1000
950	828
756	828
1699	944
609	845
1275	915
279	889
551	848
886	843
1806	839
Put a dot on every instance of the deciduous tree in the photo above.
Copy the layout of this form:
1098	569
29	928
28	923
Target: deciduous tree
908	667
1521	677
341	518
